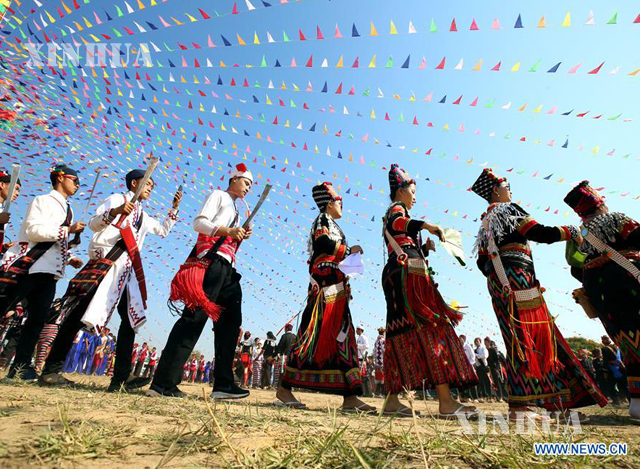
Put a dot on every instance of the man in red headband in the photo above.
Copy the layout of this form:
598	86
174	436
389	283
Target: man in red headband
31	268
608	266
208	286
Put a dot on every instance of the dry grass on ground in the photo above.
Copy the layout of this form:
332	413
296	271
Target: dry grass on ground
85	427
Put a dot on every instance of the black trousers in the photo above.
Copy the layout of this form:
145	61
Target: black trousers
139	365
222	286
499	383
73	324
484	385
39	290
124	342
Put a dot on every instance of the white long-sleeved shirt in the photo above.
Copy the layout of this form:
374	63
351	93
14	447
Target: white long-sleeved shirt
363	345
470	353
43	223
107	235
481	356
218	210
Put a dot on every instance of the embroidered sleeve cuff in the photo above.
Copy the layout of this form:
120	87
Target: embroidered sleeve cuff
340	251
525	225
107	219
63	233
568	232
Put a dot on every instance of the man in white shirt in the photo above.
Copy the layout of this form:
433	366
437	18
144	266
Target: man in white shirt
362	342
208	286
482	370
5	180
118	286
31	268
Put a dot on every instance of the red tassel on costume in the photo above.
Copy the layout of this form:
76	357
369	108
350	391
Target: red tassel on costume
425	300
536	333
331	322
186	288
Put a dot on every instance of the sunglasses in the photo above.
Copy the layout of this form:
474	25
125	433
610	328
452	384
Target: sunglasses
75	179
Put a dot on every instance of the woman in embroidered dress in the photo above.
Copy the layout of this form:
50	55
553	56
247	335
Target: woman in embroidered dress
612	290
422	350
541	368
324	357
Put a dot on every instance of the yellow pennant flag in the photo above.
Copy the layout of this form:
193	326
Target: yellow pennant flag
542	23
567	20
516	67
374	32
393	28
478	66
240	41
372	64
340	62
255	38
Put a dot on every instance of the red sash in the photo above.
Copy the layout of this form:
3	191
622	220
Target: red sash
134	254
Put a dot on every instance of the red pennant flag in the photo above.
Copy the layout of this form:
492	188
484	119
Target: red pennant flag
275	121
233	82
339	90
182	47
356	63
310	62
441	65
596	70
457	101
204	15
415	120
453	25
319	33
474	25
475	102
235	9
302	38
497	67
637	20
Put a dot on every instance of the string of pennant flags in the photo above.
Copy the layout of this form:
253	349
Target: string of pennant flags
201	15
201	126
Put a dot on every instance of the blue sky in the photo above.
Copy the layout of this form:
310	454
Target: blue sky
273	261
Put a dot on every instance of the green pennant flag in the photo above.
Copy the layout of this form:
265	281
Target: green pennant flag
291	103
367	92
401	119
490	105
535	66
433	28
119	11
284	36
262	65
614	19
116	32
615	117
389	62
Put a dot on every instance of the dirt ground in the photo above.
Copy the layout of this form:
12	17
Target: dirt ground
86	427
